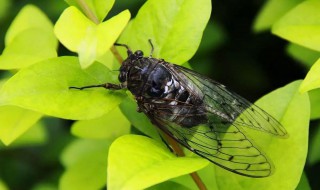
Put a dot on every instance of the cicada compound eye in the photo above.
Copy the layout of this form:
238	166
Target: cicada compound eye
138	54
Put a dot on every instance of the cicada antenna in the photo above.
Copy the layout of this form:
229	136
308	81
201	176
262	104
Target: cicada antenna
126	46
152	48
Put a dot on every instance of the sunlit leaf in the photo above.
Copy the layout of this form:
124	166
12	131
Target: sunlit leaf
175	28
109	61
312	80
44	87
271	12
29	17
36	135
29	39
109	126
89	40
301	25
132	158
93	8
15	121
19	54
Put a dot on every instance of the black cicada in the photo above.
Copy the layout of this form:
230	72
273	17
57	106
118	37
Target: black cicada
199	113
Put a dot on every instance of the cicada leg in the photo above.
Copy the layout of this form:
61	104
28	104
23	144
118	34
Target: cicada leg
106	86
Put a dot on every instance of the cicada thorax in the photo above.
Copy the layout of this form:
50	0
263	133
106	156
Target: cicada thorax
160	93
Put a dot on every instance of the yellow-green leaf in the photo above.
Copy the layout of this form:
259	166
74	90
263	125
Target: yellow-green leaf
312	80
271	12
29	17
15	121
44	87
89	40
93	8
132	158
29	39
109	126
301	25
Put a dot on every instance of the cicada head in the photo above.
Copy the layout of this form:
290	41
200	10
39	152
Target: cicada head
128	63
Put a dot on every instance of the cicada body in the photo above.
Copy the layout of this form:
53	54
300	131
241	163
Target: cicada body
199	113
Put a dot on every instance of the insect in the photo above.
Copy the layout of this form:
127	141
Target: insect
199	113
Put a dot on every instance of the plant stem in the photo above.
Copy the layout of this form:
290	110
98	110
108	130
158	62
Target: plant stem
178	150
86	9
116	54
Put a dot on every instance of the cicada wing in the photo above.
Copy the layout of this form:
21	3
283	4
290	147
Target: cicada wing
226	103
219	139
221	143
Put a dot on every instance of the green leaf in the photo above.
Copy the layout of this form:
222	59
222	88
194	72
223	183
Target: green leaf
314	153
175	28
3	186
44	87
93	8
109	126
213	37
109	61
35	135
88	39
71	28
315	103
207	175
304	55
138	120
301	25
20	54
272	11
187	181
15	121
304	183
45	186
287	154
4	8
29	17
86	162
168	185
30	26
312	80
132	158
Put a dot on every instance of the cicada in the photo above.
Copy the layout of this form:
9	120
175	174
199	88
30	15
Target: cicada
198	112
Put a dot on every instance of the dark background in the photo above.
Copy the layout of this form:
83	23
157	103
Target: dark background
250	64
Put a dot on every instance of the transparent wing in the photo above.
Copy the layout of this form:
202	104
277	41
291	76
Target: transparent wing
228	105
218	141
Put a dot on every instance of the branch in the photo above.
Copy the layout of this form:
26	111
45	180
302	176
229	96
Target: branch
116	54
87	11
178	150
